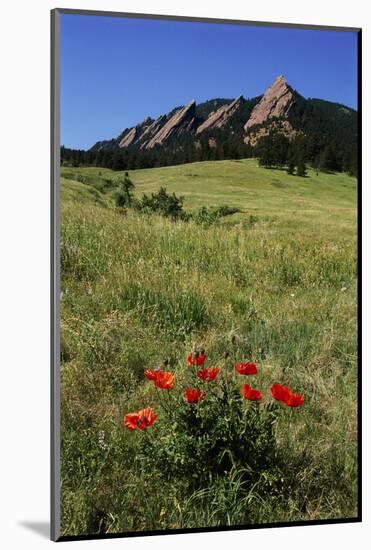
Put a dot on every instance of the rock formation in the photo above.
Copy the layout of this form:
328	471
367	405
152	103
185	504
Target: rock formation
275	103
280	126
219	118
128	137
182	120
150	131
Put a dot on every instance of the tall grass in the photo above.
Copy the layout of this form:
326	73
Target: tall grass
139	289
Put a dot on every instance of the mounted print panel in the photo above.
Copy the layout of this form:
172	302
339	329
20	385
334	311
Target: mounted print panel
205	186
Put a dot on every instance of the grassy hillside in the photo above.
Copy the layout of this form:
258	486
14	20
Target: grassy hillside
274	284
320	198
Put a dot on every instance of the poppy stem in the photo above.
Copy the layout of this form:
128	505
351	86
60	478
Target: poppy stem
164	402
168	399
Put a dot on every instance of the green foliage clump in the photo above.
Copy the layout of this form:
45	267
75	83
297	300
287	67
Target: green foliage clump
198	442
168	205
207	216
124	197
301	169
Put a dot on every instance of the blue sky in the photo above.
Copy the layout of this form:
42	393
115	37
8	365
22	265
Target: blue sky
115	72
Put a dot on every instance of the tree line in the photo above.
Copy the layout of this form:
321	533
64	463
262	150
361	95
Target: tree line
277	151
273	151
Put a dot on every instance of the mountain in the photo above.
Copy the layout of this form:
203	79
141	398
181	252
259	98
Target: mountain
278	125
220	117
275	103
272	113
191	120
240	121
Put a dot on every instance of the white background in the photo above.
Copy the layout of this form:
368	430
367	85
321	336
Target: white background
24	257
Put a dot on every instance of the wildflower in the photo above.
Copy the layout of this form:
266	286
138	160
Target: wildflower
146	418
101	440
150	374
280	393
295	400
164	380
246	368
131	421
208	374
287	396
160	378
141	419
193	395
250	394
197	358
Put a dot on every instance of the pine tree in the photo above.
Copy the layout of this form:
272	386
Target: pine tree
291	166
280	149
291	160
265	152
301	169
124	197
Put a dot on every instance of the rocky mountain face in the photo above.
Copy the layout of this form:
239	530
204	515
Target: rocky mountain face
275	103
217	119
183	120
280	109
150	133
272	111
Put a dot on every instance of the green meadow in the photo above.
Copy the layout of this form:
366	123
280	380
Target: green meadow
274	283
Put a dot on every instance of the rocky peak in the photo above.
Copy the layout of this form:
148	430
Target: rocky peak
275	103
150	131
183	119
219	118
133	135
128	137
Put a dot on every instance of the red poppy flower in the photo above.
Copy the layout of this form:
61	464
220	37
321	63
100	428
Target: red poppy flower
246	368
280	393
150	374
164	380
250	394
141	419
131	421
208	374
287	396
193	395
146	417
196	358
295	400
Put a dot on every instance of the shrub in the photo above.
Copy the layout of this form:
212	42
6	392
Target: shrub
205	216
208	216
124	196
163	203
196	442
121	200
301	169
